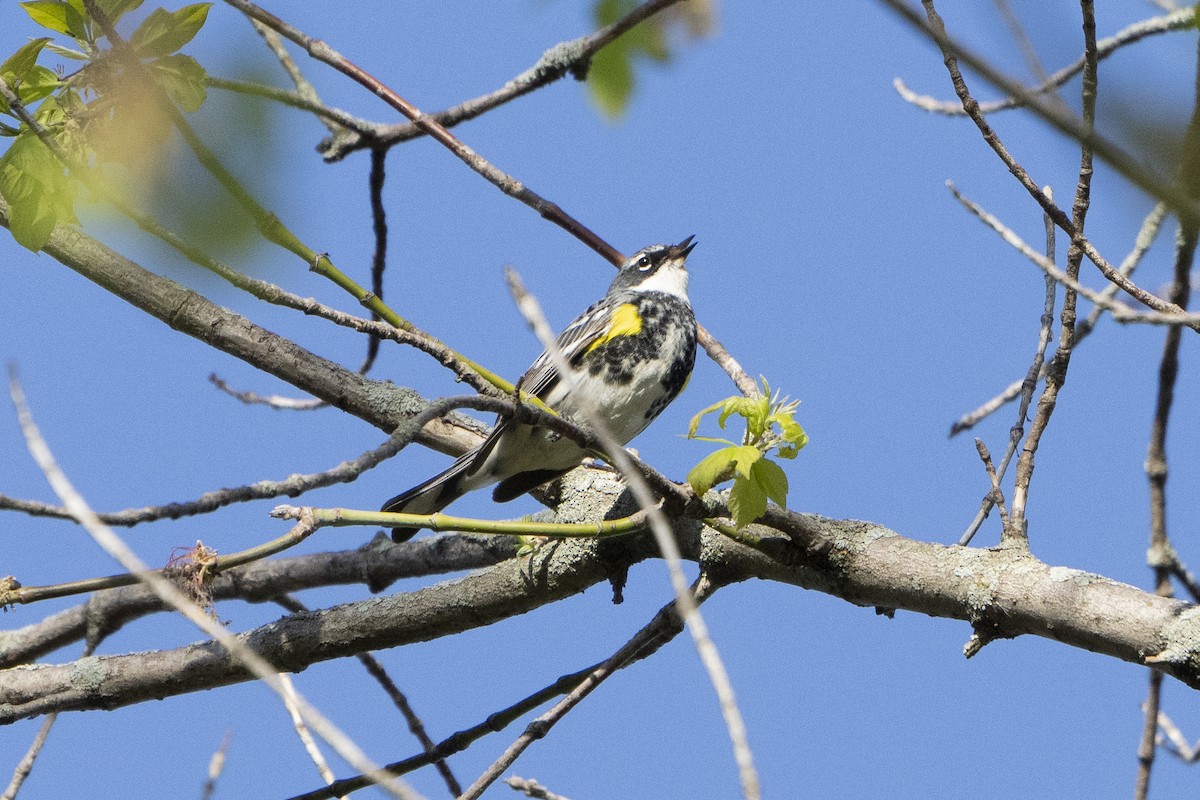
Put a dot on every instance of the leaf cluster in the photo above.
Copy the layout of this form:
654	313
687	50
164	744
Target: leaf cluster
611	73
770	427
79	113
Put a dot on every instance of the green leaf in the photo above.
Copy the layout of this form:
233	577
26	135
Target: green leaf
164	32
19	66
611	76
39	195
67	52
695	423
610	79
115	9
57	16
41	82
746	457
747	502
705	474
183	78
771	478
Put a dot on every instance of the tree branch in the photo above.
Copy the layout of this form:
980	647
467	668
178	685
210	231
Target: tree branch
1010	592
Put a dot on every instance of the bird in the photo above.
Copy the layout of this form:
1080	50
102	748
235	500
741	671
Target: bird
631	353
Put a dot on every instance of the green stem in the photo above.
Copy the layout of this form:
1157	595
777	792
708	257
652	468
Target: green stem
340	517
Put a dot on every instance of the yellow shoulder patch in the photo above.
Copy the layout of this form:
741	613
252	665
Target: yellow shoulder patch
626	321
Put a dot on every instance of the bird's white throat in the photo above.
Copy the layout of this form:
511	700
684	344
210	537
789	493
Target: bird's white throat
669	278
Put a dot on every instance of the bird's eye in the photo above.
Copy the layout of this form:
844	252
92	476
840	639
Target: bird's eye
643	263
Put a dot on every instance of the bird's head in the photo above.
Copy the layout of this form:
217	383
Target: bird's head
657	268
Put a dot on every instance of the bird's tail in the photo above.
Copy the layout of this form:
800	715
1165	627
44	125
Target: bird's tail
431	496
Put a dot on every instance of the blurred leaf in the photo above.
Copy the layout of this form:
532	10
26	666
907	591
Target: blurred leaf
183	78
67	52
115	9
164	32
20	65
41	82
610	79
39	195
57	16
611	75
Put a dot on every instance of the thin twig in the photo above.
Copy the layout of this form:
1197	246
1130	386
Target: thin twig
379	228
1175	742
25	765
291	486
302	732
664	536
1147	233
531	788
304	89
501	180
376	671
542	725
216	765
1156	455
1027	388
1177	20
1056	374
664	627
1077	129
565	58
1120	312
1028	51
277	401
996	495
112	544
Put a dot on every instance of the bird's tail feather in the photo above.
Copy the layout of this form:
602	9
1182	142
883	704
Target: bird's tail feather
431	496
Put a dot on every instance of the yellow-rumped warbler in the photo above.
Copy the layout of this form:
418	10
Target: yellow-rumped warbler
631	354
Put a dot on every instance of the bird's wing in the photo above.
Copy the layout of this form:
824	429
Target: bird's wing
574	341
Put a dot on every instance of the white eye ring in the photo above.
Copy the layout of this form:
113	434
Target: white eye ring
644	263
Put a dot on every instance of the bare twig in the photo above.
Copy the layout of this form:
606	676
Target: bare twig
376	671
1056	374
302	732
996	495
1028	51
216	765
663	535
379	228
1156	456
1077	129
1146	236
572	57
1177	20
664	627
504	182
291	486
1175	742
1027	388
1156	473
542	725
304	89
25	765
531	788
104	536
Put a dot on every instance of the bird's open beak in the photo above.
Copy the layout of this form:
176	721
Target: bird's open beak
684	248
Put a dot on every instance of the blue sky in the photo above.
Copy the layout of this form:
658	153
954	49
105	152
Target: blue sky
831	259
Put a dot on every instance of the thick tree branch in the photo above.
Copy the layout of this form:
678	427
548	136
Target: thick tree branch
376	564
1008	592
